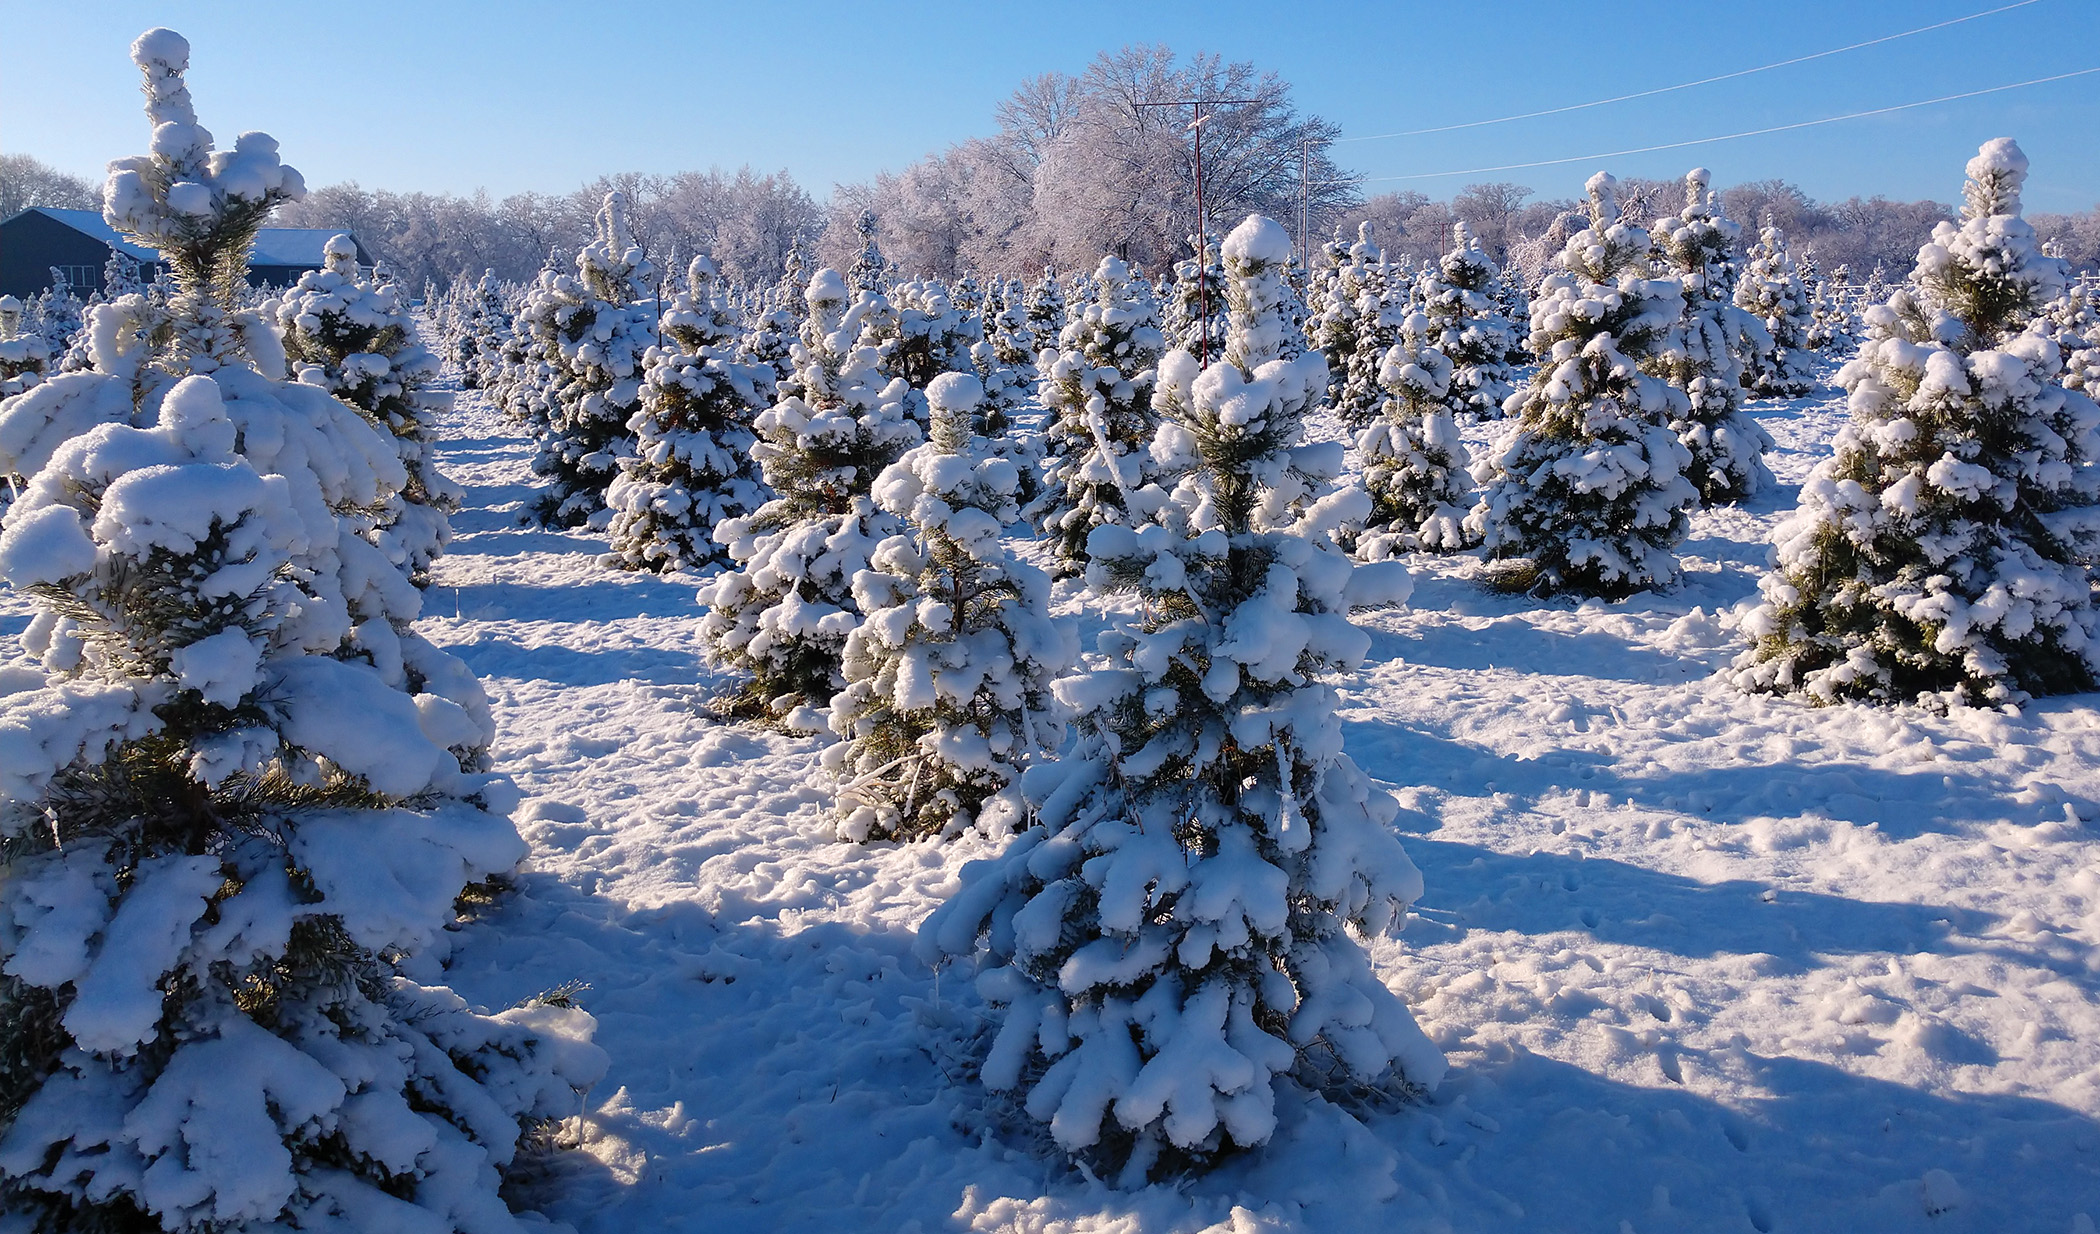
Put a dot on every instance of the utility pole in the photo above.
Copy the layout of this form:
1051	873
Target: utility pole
1305	212
1202	232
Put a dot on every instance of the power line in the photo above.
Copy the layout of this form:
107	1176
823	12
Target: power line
1704	81
1700	141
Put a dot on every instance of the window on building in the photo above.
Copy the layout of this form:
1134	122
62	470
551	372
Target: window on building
81	277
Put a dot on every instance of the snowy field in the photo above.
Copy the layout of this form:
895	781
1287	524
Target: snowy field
1701	961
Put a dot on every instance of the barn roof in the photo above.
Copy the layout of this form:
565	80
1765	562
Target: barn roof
89	223
274	246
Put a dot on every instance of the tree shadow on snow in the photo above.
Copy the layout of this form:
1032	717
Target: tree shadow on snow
613	595
1901	804
1517	1140
1520	646
1470	887
568	666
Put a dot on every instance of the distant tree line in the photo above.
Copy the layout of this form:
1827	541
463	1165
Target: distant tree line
1077	167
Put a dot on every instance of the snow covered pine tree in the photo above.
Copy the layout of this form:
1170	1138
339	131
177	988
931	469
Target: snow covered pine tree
692	466
1728	448
1588	487
241	797
783	615
1414	462
355	338
948	677
1770	290
1461	295
1172	932
1098	391
1938	555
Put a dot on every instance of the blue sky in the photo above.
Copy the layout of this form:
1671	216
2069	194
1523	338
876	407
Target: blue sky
450	96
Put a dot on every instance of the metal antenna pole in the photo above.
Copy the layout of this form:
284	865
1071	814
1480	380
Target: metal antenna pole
1202	232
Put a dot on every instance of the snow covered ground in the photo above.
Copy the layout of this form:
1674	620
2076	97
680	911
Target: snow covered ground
1702	962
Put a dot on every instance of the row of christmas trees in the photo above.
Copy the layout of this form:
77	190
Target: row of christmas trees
240	797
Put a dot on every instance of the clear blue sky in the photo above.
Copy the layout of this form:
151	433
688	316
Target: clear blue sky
449	96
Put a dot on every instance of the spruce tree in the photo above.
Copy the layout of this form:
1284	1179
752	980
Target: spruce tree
1174	929
1770	290
24	355
593	330
1353	330
1935	555
58	313
247	794
1460	296
1098	392
1588	487
783	615
1697	247
693	465
947	695
1415	466
1046	307
354	337
870	269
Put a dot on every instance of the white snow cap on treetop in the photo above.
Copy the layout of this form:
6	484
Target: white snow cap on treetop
164	55
2001	155
1259	239
1995	176
825	286
1603	189
339	246
955	391
1698	177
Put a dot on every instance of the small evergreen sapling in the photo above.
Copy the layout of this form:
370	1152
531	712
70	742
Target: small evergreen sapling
593	329
1588	487
354	337
1174	930
1461	298
1697	245
1938	556
1099	392
693	465
783	615
948	676
1770	290
1415	466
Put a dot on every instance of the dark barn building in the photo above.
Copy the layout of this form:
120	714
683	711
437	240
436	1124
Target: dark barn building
77	242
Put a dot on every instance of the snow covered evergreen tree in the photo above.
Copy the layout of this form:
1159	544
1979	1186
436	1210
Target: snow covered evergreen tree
1098	391
593	329
693	465
1697	246
1415	466
1460	297
354	337
1939	555
1046	307
1833	327
948	676
782	617
1196	298
24	355
1173	931
58	313
1352	329
1588	488
1770	289
240	801
870	269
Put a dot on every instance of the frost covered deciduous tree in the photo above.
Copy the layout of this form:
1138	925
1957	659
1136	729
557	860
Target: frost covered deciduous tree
783	615
1697	246
1588	487
354	337
1098	391
1777	364
693	465
948	676
1940	554
1415	466
239	795
594	329
1461	297
1174	930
